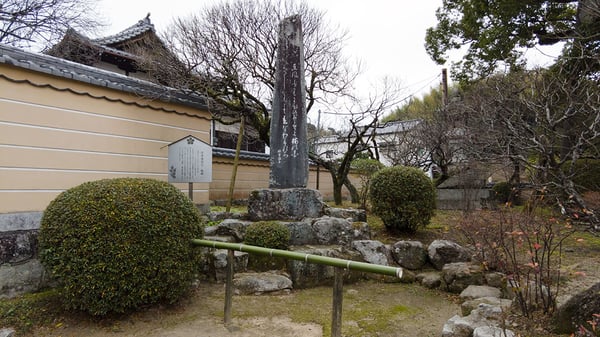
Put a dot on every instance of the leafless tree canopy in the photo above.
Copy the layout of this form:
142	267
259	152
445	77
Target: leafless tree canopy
24	22
230	49
543	120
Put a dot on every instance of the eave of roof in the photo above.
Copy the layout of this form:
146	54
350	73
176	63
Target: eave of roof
99	77
141	27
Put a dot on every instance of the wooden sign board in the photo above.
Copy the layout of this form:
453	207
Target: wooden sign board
190	161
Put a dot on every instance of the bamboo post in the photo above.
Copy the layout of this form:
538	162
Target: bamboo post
229	287
338	296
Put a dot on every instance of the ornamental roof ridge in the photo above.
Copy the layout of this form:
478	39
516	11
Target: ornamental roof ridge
142	26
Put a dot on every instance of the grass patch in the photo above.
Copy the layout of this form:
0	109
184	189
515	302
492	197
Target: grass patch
234	209
25	312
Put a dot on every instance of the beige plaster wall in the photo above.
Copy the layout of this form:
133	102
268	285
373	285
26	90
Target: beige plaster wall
56	133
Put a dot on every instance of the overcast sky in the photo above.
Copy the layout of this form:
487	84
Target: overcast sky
386	35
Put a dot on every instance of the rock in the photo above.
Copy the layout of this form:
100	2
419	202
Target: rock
492	331
456	277
496	279
441	252
218	216
409	254
21	278
7	332
285	204
333	231
357	215
475	291
470	305
18	246
408	276
457	326
361	231
429	280
301	233
233	227
577	310
307	275
219	263
487	312
260	283
372	251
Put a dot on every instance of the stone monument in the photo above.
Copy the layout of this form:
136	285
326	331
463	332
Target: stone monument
289	146
287	196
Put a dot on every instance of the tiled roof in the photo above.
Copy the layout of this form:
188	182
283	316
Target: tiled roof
230	153
141	27
99	77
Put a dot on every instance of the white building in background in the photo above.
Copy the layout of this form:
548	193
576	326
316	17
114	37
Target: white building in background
394	142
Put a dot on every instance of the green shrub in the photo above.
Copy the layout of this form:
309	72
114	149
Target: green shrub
403	197
268	234
502	191
116	244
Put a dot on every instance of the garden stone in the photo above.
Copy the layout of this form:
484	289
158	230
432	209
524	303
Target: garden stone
409	254
218	216
470	305
285	204
356	215
307	275
240	262
21	278
577	310
442	252
487	312
372	251
496	279
233	227
18	246
475	291
333	231
457	326
220	238
301	233
259	283
7	332
492	331
456	277
430	280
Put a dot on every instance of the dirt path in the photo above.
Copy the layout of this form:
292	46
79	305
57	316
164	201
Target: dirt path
370	309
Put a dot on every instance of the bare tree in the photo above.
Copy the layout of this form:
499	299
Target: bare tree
227	52
25	22
364	116
543	120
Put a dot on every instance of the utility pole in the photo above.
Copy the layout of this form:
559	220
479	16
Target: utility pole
444	87
316	144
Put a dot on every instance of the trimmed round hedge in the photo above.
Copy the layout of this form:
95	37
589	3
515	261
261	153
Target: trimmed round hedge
117	244
268	234
403	197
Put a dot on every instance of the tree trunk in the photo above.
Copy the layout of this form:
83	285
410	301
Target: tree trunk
337	190
236	159
354	195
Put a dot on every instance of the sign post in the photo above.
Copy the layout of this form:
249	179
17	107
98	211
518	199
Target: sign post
190	161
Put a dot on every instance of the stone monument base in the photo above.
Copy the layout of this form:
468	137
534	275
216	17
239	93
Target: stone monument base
285	204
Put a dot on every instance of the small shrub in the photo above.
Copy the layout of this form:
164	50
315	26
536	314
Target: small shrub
502	191
523	245
403	197
268	234
117	244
